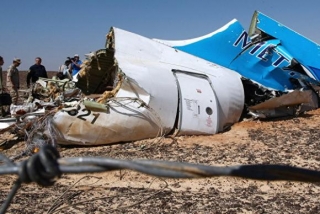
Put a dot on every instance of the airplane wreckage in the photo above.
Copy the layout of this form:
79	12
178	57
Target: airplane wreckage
138	88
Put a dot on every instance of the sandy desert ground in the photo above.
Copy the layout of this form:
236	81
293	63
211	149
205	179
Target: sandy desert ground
290	141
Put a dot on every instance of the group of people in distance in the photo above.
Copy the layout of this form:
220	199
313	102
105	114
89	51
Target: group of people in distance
13	80
70	68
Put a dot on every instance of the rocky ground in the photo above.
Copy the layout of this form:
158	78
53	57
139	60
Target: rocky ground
291	141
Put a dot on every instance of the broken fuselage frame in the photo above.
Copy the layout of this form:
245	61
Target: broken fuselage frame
137	88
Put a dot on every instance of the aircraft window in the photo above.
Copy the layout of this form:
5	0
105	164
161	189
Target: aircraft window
209	111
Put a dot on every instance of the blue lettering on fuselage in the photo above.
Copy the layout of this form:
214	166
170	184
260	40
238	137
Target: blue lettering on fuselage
280	60
245	42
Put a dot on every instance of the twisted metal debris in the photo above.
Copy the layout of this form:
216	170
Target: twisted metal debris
46	166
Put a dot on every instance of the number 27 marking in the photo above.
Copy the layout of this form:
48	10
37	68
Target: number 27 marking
86	113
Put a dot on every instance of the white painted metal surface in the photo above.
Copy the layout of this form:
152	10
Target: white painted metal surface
198	107
146	60
149	79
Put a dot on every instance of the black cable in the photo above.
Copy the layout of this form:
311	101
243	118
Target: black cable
42	168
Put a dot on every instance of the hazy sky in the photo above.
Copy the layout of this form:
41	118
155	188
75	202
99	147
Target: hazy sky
56	29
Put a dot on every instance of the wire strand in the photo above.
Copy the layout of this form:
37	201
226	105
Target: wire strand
46	166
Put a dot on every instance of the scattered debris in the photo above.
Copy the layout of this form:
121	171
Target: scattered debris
151	88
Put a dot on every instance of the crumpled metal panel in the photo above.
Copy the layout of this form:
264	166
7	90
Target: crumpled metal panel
146	102
301	48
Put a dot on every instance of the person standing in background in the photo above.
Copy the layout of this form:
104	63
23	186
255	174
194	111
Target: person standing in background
64	70
1	81
13	82
35	71
76	63
4	110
